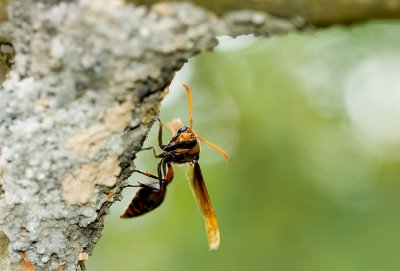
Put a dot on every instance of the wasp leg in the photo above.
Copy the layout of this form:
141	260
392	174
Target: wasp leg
146	199
169	175
132	185
149	186
145	149
148	175
166	170
160	144
155	153
140	185
162	172
151	195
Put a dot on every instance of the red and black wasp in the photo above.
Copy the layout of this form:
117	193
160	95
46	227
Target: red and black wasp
184	147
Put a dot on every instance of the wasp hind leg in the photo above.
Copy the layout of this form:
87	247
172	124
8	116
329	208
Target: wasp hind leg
150	196
146	199
143	185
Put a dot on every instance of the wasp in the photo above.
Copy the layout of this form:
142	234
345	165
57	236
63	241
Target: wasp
184	147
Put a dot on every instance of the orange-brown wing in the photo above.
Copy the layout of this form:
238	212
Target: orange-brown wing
200	193
174	125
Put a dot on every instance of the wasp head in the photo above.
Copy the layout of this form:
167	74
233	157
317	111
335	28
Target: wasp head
184	140
185	133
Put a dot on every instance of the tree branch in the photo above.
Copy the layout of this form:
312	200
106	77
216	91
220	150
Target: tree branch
316	12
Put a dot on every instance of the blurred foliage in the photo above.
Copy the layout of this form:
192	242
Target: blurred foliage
320	12
305	187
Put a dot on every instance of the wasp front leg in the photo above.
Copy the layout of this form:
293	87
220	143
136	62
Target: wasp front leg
160	128
160	144
156	154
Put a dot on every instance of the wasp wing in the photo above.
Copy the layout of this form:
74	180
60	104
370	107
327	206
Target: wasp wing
200	193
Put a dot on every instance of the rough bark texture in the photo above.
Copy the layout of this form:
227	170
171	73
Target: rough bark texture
85	86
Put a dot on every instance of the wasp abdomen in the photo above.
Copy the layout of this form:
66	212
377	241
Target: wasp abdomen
145	200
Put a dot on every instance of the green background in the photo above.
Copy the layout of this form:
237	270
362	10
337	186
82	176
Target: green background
311	124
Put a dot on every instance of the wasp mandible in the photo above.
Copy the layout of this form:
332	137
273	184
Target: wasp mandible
184	147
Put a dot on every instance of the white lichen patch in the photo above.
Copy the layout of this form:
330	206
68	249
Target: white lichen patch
79	189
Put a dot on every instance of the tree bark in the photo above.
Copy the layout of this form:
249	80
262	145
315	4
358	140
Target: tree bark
85	87
316	12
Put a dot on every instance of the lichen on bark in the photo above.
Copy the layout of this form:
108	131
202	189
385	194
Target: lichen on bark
86	86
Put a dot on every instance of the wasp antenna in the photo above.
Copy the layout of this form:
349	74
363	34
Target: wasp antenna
190	105
214	146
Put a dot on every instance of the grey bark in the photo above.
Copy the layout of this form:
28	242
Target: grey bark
85	88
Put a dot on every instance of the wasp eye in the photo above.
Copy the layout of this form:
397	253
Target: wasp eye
182	129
